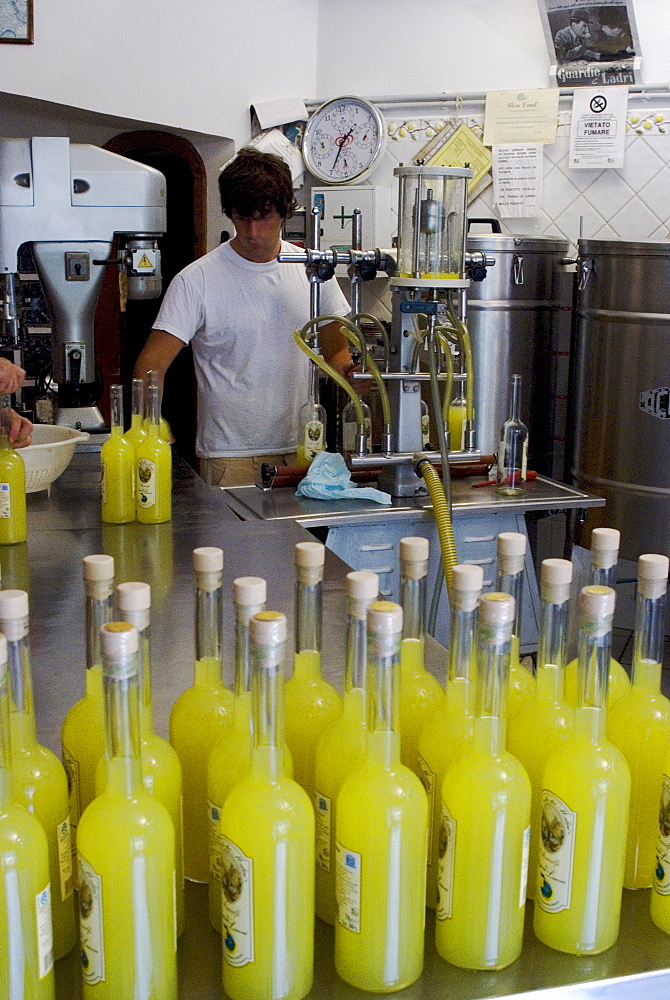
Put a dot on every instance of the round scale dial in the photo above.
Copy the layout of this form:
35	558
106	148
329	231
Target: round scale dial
343	141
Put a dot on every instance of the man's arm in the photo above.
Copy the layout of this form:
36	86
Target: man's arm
335	347
157	354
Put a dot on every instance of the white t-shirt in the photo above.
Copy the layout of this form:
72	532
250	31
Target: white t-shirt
252	378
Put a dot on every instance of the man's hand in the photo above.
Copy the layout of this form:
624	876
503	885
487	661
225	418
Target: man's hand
20	430
11	377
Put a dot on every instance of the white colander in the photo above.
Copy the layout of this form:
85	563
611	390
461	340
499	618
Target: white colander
49	455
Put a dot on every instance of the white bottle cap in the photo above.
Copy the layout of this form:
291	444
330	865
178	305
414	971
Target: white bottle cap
511	552
208	559
496	608
556	576
13	604
652	575
119	639
268	628
98	567
133	596
414	557
596	602
310	554
466	586
385	618
362	585
250	590
605	547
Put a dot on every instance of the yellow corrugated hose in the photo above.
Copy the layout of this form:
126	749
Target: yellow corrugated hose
442	516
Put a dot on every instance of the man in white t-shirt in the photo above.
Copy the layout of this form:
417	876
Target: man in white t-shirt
238	307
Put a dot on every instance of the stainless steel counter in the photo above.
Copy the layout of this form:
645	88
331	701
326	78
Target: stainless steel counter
65	527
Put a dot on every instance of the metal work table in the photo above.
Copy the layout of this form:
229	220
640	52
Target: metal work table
66	526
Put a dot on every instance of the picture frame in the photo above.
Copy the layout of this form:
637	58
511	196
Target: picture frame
16	22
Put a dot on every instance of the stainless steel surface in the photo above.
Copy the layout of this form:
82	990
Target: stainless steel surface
65	527
621	434
511	317
405	458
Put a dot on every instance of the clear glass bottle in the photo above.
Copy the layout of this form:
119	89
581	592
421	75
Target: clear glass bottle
485	819
586	791
448	732
311	702
350	428
513	447
136	432
13	521
420	693
126	852
457	410
382	826
342	746
544	724
267	834
425	424
202	712
154	468
311	431
165	434
511	551
117	465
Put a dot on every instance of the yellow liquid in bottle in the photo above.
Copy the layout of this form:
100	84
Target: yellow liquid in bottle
136	433
268	825
164	429
618	683
25	876
660	897
583	841
127	895
39	783
382	822
117	462
340	751
456	424
83	743
311	704
197	721
443	739
521	684
420	697
638	725
13	522
486	816
154	481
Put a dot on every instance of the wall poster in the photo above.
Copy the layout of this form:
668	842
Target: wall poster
16	21
591	44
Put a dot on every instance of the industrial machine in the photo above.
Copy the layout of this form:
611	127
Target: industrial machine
69	201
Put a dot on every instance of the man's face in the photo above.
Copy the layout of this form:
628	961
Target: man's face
581	28
257	237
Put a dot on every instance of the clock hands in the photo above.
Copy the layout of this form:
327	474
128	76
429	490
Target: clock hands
341	141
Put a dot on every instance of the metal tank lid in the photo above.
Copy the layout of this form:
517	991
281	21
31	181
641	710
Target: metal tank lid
623	248
507	243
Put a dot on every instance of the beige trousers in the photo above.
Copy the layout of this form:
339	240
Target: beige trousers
240	471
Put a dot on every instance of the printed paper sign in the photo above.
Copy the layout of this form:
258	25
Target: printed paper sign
598	130
514	116
517	180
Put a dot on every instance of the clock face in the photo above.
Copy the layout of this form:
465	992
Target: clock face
343	140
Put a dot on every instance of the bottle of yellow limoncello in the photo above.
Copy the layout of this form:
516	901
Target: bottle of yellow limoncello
483	853
161	770
420	694
13	522
381	833
448	733
201	714
154	378
38	778
267	840
26	941
230	759
604	556
154	468
311	702
126	853
136	432
639	722
117	467
341	748
544	724
511	558
586	789
457	409
83	733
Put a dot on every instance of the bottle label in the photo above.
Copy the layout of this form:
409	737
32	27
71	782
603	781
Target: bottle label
45	943
662	874
90	924
73	787
425	429
5	500
237	908
215	842
323	814
348	888
146	482
428	781
64	841
556	856
313	439
445	865
525	851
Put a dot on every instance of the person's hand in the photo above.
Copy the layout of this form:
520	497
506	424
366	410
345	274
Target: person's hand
20	430
358	384
11	377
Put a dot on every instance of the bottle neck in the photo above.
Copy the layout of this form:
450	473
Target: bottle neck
122	733
603	576
267	707
461	645
515	402
20	681
649	639
413	601
116	410
493	656
356	664
5	742
512	583
208	617
593	665
551	651
243	615
383	700
98	613
308	616
140	619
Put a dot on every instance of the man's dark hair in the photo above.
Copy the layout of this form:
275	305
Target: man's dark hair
255	183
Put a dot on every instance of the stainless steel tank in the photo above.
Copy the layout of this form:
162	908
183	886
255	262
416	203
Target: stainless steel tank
513	316
620	441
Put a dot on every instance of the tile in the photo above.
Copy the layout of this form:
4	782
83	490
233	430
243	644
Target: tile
634	221
656	194
609	194
606	233
558	193
642	162
558	150
582	179
569	220
662	233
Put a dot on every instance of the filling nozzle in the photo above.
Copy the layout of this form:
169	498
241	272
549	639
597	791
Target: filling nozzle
10	318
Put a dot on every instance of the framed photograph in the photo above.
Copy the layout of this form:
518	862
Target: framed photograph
16	21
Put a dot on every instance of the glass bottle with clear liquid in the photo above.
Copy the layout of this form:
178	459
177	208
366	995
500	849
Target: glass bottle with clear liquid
311	423
26	939
267	838
513	447
639	722
382	826
544	724
136	432
604	557
154	468
483	862
126	852
341	748
83	733
13	521
447	734
117	466
511	550
311	702
420	693
585	796
203	712
39	781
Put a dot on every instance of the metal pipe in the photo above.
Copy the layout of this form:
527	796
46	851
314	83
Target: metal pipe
652	90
